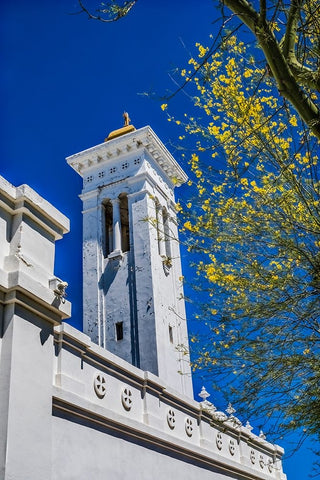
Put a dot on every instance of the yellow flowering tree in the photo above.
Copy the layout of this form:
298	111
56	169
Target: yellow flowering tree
254	231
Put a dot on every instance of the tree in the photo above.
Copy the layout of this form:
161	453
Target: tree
254	230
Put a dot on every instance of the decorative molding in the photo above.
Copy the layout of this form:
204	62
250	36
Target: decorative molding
144	138
171	418
232	446
188	426
219	440
99	385
126	399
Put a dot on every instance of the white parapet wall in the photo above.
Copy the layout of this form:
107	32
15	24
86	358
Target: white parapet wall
29	228
133	414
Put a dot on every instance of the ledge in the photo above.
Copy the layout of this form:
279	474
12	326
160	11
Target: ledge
24	199
144	138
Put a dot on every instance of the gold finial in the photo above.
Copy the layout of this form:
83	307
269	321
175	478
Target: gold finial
127	119
127	128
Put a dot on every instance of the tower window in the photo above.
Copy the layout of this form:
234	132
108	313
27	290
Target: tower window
119	331
108	229
170	334
124	214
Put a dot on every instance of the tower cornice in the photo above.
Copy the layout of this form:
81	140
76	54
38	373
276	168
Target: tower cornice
144	138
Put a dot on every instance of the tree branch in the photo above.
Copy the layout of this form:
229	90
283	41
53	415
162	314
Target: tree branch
288	84
118	12
305	75
263	11
289	41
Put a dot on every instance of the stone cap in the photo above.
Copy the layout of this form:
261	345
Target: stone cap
143	138
26	200
120	131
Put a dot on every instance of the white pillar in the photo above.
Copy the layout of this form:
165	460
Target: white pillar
116	227
161	238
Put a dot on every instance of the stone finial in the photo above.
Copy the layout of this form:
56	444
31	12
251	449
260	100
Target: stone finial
262	435
205	404
204	394
249	426
230	410
234	420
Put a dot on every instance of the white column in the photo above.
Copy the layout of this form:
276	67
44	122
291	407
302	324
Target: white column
116	228
162	245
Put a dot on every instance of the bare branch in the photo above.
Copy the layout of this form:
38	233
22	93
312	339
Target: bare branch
115	11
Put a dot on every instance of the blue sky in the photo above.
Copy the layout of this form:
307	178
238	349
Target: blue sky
66	81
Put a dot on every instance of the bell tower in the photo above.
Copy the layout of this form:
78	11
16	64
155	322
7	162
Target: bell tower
132	290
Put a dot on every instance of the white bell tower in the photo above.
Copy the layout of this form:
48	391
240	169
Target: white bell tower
132	290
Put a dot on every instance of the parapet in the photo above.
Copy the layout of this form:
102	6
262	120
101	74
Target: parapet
29	227
107	392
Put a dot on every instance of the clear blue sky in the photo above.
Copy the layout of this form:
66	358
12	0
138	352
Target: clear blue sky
66	81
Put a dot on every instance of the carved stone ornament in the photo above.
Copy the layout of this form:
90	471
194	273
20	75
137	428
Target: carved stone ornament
171	418
219	440
253	457
99	385
234	421
232	447
220	416
261	461
188	426
208	407
270	465
126	398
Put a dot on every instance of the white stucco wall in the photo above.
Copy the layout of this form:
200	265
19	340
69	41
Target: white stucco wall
80	453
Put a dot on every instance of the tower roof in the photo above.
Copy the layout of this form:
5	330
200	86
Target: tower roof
129	141
127	128
119	132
